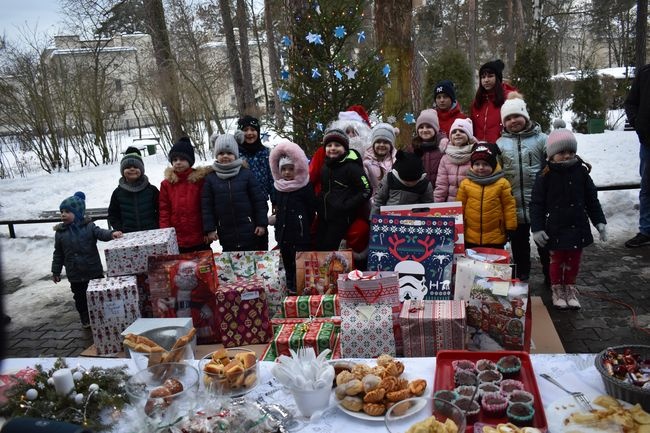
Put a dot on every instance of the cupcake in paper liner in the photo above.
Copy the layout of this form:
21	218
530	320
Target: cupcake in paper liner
509	366
466	391
508	386
446	395
494	405
490	376
521	396
463	364
520	414
465	377
470	407
487	387
485	364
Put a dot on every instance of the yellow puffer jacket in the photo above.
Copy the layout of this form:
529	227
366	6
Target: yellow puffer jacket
488	210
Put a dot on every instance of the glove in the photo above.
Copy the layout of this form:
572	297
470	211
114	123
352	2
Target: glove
540	238
602	231
56	278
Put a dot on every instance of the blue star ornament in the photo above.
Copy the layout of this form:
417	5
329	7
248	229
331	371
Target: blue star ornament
319	126
314	38
315	73
338	75
409	118
284	74
386	70
265	136
361	37
286	41
339	32
351	73
284	95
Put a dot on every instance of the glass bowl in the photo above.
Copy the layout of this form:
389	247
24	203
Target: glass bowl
166	338
230	372
404	414
164	390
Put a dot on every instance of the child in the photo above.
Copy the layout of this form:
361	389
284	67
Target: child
406	183
488	205
447	107
256	156
345	189
378	158
233	204
295	204
180	198
490	95
134	203
429	143
455	162
564	199
522	156
75	247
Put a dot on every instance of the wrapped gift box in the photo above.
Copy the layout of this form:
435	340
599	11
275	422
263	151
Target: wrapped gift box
128	254
295	333
311	306
112	306
429	326
243	313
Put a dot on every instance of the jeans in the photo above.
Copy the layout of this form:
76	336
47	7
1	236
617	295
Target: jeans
644	193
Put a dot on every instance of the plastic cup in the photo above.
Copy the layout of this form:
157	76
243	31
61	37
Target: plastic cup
311	401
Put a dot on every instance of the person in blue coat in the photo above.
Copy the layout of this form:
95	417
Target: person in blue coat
233	206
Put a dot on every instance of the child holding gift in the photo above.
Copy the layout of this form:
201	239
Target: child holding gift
564	199
75	247
295	205
455	162
488	205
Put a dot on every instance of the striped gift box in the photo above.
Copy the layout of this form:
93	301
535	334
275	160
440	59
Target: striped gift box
311	306
429	326
293	334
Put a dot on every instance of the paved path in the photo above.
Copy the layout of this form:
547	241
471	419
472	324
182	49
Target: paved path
612	271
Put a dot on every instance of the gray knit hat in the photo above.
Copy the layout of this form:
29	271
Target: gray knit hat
132	158
337	135
227	143
383	131
560	140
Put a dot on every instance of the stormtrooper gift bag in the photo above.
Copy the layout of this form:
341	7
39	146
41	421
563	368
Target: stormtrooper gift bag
184	285
419	249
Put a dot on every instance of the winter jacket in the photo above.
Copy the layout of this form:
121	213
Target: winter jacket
564	200
234	207
450	175
522	156
257	157
431	154
487	118
75	247
180	204
377	170
345	188
446	118
488	210
393	192
637	104
132	211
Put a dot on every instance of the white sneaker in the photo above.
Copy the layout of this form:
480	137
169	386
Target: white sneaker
558	298
571	296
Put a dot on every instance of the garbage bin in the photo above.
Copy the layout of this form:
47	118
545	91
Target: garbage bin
151	149
595	126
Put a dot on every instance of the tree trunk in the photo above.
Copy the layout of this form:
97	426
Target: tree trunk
510	35
274	62
641	31
167	79
247	77
233	55
393	31
473	15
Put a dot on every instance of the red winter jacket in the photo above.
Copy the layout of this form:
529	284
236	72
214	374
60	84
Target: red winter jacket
487	119
446	118
180	205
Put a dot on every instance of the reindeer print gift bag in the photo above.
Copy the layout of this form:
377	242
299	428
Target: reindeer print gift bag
419	249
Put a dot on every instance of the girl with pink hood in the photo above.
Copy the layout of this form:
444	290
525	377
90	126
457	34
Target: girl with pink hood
455	163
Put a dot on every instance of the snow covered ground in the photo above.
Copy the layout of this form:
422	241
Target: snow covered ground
26	260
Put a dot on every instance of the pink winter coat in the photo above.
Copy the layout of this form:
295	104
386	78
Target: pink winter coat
450	175
377	170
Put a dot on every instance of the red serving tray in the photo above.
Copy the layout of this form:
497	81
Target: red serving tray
445	380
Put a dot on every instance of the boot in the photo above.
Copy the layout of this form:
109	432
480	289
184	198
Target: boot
558	297
571	296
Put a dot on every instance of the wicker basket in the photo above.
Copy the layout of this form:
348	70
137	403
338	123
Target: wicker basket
623	390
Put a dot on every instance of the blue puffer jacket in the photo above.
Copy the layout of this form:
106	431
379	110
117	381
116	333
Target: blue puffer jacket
257	157
75	247
234	206
522	156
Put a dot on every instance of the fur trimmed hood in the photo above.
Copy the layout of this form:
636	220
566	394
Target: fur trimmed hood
295	153
196	175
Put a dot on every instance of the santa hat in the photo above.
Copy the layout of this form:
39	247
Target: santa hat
355	112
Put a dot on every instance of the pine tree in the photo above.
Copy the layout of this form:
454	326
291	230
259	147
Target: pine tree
588	101
531	75
329	67
450	65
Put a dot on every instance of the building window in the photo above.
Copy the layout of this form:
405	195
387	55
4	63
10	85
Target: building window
118	84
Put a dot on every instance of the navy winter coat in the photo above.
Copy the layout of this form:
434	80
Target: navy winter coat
132	211
295	214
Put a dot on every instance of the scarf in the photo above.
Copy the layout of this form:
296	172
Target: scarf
396	182
290	185
226	171
136	186
459	155
484	180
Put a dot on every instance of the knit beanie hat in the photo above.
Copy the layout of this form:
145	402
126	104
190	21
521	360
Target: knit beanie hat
559	123
248	121
408	166
446	87
75	204
285	160
227	143
560	140
182	149
337	135
495	66
485	152
132	158
514	105
429	116
383	131
464	125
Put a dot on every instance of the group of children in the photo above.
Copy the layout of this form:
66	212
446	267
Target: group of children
509	176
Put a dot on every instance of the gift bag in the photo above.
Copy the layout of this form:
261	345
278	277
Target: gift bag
419	249
498	315
369	314
184	285
317	271
231	266
489	255
430	326
468	269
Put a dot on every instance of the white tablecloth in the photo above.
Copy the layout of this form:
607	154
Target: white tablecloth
576	372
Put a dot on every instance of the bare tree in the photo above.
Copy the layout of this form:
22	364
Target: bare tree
233	54
247	76
641	32
274	61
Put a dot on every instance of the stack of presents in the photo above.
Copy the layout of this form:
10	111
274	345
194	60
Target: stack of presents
422	293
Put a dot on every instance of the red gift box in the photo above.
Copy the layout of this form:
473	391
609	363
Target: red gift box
311	306
429	326
243	313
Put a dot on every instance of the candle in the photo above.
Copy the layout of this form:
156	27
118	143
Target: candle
63	382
